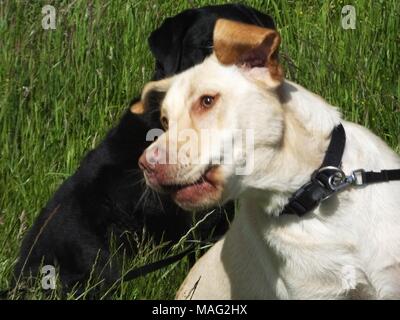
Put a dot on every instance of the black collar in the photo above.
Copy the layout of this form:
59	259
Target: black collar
330	179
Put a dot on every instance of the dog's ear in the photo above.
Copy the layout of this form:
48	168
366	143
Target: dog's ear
137	107
249	46
152	96
156	86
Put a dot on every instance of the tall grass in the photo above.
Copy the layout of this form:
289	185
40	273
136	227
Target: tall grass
61	90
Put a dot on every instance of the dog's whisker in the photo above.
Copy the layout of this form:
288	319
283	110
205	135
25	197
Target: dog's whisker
141	199
159	200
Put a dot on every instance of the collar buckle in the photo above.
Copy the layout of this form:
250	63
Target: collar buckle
335	178
357	177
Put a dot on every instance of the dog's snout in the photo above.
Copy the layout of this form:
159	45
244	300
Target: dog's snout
149	159
156	171
144	164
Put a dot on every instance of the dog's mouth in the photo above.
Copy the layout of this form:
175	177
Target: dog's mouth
195	193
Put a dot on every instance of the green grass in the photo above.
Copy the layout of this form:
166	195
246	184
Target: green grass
61	90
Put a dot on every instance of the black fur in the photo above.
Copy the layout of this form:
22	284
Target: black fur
186	39
105	197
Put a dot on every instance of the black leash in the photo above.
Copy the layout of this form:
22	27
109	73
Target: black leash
330	179
154	266
383	176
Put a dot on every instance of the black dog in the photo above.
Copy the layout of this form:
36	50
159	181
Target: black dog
105	197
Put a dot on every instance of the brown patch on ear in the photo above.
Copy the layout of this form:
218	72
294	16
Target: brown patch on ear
249	45
137	108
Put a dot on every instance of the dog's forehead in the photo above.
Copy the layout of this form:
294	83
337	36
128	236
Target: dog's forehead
209	77
198	77
176	95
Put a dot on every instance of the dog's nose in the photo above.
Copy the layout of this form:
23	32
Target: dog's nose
144	164
149	159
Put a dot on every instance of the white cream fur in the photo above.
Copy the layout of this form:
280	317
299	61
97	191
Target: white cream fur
264	256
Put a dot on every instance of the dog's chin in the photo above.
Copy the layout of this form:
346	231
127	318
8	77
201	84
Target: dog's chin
205	193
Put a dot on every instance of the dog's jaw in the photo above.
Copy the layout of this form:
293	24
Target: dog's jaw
203	194
200	190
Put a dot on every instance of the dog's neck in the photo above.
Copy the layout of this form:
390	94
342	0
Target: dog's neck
309	121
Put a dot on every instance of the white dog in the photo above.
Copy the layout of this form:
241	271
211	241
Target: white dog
347	247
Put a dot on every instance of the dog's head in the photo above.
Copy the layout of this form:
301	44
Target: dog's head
223	119
186	39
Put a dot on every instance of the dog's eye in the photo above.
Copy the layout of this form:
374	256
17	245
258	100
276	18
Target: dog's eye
207	101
